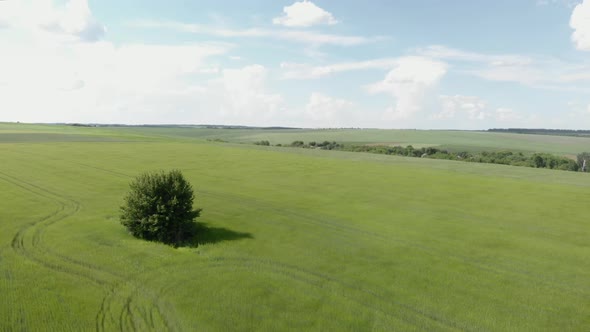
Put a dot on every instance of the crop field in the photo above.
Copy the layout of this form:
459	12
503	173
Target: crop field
292	239
453	140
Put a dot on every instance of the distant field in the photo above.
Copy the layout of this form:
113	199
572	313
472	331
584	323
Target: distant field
298	239
454	140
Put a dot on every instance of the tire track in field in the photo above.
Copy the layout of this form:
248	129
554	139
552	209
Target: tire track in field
352	231
131	315
106	302
317	280
363	297
125	312
111	295
19	241
125	320
6	280
29	245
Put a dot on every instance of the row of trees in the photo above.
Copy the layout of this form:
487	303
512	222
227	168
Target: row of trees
538	160
325	145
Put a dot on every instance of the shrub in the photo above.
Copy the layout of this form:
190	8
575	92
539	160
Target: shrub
159	207
298	143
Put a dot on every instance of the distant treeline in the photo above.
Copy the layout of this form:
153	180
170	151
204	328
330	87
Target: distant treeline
558	132
537	160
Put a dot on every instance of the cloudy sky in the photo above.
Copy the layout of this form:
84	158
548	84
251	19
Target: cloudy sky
321	63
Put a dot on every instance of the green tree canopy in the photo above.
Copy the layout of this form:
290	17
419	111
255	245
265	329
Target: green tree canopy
159	207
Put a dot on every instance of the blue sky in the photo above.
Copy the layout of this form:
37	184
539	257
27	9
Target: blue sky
385	64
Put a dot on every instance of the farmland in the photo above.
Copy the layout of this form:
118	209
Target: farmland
294	239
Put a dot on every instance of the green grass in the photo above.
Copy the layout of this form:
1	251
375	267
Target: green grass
296	240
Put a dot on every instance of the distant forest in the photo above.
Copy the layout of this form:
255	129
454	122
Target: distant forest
560	132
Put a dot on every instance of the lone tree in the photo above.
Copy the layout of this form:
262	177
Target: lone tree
159	207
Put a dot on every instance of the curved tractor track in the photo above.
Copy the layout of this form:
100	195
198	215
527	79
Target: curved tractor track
131	312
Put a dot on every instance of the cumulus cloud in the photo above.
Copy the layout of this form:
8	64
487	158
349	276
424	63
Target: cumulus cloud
74	21
470	112
580	22
506	115
97	82
70	22
243	95
304	14
96	91
326	111
410	83
458	105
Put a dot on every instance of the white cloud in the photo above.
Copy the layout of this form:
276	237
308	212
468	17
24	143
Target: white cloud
448	53
241	95
75	22
580	22
507	115
71	22
457	106
507	68
304	14
326	111
492	67
139	84
305	71
410	83
8	11
464	110
306	37
473	112
540	72
97	82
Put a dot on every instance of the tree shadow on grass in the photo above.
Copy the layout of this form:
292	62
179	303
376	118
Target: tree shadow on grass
208	235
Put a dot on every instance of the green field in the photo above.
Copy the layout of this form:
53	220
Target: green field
296	239
454	140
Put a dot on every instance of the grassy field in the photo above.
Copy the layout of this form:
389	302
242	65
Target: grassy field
295	239
449	139
453	140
